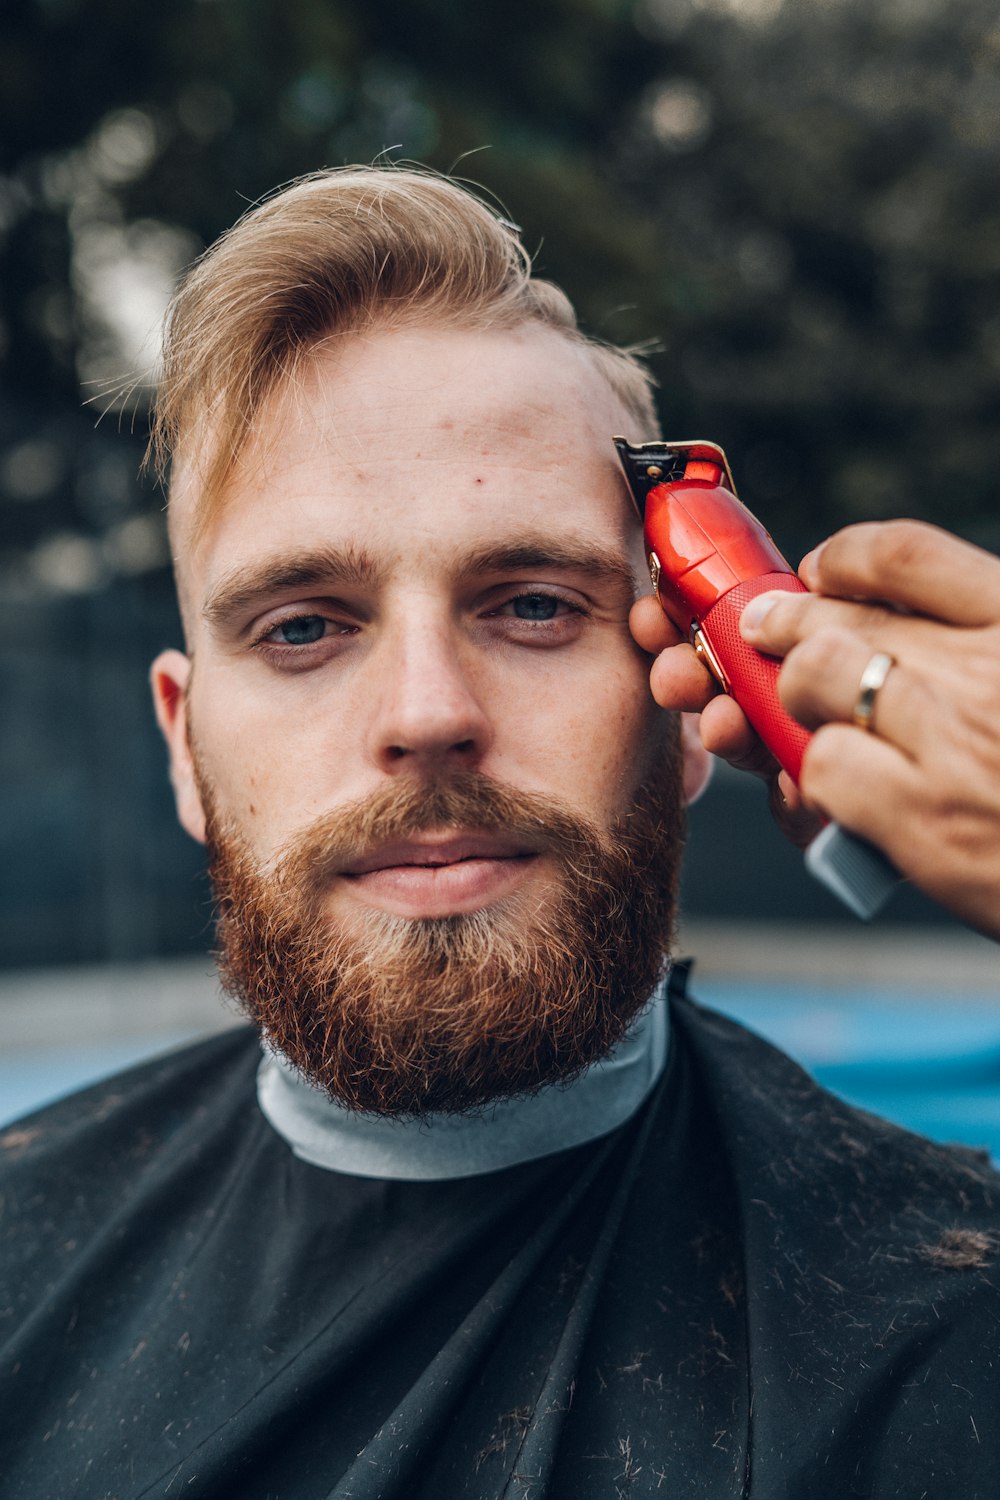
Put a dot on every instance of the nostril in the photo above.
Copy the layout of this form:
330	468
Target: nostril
400	752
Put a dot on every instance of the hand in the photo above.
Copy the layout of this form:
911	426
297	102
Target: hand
679	681
925	785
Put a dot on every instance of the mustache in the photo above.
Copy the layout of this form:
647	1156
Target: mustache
403	1018
466	801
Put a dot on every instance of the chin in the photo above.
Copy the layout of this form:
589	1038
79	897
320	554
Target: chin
405	1013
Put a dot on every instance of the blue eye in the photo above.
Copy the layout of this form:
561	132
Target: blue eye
301	631
535	606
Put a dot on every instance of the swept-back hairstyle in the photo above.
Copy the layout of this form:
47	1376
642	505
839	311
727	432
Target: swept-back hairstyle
338	251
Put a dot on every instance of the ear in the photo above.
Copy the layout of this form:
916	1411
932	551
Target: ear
169	677
697	761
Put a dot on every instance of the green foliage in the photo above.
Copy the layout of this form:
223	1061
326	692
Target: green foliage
839	223
795	202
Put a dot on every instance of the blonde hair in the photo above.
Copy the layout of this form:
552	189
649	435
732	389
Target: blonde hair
334	252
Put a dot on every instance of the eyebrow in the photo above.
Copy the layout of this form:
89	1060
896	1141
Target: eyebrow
319	568
592	560
241	589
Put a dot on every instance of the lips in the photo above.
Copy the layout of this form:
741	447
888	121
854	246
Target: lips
439	876
431	853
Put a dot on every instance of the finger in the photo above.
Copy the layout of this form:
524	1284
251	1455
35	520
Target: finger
873	790
820	682
650	626
777	621
797	821
863	782
679	681
727	732
909	564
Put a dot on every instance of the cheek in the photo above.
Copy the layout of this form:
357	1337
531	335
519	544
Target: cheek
262	767
593	736
631	737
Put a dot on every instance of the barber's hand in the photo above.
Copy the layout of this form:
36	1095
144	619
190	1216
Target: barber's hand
924	782
680	681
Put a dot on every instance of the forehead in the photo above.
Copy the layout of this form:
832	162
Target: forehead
412	441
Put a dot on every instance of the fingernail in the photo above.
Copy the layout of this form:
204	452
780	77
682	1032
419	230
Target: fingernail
756	613
809	567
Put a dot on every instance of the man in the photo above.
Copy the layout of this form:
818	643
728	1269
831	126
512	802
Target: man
486	1220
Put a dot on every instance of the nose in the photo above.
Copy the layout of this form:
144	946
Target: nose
428	711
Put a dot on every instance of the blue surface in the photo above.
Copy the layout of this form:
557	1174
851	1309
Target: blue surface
34	1078
934	1068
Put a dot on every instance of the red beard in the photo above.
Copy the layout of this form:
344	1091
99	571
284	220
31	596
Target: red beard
401	1017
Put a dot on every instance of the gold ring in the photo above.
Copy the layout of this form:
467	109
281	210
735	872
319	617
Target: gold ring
871	684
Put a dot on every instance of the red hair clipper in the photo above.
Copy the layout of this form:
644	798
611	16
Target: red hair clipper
708	556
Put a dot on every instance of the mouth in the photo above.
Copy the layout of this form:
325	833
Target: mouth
439	875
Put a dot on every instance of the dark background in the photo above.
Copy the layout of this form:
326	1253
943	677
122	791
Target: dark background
797	204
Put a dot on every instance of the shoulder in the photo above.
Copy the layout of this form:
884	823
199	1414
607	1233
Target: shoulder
78	1159
183	1077
871	1267
781	1127
844	1209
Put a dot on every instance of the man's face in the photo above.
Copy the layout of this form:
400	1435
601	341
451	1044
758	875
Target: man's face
420	574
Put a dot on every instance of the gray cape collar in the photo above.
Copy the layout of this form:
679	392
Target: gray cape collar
328	1135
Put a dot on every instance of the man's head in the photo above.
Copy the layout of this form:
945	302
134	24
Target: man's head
335	254
443	811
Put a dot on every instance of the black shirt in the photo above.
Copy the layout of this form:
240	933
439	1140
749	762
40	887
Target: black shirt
749	1289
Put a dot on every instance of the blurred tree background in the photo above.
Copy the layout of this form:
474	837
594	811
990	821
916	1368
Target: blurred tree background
795	204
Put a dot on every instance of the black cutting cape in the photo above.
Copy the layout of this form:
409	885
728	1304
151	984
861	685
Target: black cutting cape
749	1289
